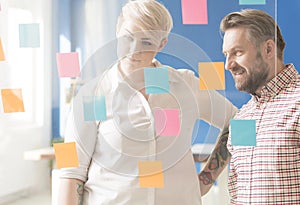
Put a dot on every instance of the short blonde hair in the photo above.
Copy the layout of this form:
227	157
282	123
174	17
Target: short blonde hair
148	15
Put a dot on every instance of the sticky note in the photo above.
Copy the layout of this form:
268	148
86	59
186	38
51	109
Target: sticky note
12	100
211	76
252	2
167	122
151	174
156	80
68	64
94	108
66	155
194	11
243	132
2	56
29	35
204	133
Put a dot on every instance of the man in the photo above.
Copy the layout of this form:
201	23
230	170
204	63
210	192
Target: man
268	173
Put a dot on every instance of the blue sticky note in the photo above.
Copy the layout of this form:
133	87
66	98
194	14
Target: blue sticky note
29	35
252	2
156	80
94	108
204	133
243	132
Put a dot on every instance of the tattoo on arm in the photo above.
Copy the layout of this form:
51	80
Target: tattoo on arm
220	154
216	161
206	178
80	193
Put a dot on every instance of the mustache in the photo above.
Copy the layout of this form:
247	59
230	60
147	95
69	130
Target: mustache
237	68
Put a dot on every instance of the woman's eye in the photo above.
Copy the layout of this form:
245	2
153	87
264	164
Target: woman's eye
128	38
146	43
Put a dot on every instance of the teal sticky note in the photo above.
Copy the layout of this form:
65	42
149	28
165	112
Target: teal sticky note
29	35
156	80
204	133
94	108
243	132
252	2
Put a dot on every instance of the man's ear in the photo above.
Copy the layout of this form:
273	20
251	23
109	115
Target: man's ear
269	48
162	44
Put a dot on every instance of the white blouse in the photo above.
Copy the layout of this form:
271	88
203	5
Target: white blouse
109	151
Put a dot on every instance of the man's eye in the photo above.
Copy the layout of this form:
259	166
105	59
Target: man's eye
238	53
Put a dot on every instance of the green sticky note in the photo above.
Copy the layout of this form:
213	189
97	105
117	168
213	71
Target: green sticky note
252	2
29	35
156	80
243	132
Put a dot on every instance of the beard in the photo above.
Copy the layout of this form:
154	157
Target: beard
255	78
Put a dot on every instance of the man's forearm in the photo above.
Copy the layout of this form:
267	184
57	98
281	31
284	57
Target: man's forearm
216	163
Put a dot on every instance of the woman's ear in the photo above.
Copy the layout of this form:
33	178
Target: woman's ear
162	44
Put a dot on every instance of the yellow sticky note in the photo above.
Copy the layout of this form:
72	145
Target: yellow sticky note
151	174
2	56
212	76
12	100
66	155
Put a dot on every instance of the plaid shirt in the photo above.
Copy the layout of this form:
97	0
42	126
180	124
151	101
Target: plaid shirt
269	173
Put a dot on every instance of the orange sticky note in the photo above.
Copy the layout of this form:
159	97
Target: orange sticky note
151	174
194	11
68	64
12	100
212	76
2	56
66	155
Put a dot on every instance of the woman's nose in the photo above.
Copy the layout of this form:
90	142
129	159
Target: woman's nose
134	47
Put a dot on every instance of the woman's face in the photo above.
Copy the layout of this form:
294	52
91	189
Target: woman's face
136	47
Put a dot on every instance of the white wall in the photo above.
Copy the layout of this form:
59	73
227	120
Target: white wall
30	70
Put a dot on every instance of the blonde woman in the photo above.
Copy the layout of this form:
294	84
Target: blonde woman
112	151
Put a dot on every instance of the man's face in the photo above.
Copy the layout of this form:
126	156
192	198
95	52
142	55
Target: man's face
244	61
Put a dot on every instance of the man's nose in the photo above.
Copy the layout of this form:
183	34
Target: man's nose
229	64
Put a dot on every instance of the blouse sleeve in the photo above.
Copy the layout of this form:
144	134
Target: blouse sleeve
213	108
83	133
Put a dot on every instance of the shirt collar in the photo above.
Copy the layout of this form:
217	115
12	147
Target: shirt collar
116	77
279	82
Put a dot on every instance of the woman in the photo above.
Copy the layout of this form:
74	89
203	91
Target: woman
113	151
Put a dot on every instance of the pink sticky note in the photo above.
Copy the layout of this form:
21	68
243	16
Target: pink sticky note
167	122
68	64
194	11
